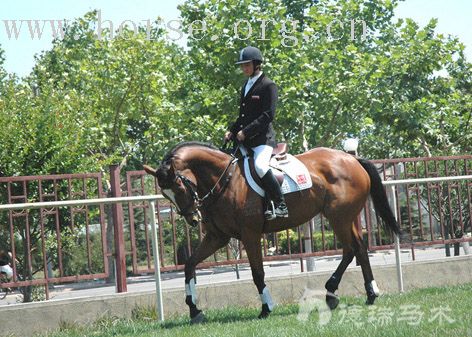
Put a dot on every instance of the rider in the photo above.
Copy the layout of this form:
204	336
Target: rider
5	267
254	125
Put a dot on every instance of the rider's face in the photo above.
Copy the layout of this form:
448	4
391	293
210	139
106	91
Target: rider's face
247	68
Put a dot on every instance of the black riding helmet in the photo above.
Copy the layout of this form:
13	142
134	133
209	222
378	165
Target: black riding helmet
250	54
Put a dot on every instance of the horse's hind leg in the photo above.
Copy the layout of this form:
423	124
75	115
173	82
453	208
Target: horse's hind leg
332	284
360	251
209	245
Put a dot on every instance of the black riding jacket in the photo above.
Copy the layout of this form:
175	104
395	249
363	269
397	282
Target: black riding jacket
256	112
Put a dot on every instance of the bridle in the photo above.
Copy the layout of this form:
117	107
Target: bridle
192	187
196	202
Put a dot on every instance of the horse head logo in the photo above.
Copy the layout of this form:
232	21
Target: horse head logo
313	300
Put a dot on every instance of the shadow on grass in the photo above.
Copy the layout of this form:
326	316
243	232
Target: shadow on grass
230	315
237	314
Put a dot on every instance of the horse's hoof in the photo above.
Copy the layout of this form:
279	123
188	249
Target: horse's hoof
265	312
372	292
370	299
332	301
199	318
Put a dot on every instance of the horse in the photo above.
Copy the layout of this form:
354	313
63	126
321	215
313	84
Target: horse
207	186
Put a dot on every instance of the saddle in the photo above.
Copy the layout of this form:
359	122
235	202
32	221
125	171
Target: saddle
280	151
291	174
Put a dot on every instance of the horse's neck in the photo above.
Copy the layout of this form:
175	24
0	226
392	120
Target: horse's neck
207	165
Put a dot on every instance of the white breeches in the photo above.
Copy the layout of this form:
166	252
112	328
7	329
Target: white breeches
262	154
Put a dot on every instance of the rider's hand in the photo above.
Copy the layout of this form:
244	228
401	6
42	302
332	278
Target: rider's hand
240	136
228	136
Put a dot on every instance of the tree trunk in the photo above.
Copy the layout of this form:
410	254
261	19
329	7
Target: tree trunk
110	245
27	275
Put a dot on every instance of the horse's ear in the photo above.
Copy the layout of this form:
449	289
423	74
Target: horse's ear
149	170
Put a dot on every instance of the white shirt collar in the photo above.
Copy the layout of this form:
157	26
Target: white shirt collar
254	78
250	82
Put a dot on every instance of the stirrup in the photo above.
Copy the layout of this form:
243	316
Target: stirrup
269	214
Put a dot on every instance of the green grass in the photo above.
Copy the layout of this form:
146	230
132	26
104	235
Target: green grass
351	318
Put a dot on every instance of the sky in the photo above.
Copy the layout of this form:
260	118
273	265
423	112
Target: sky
453	16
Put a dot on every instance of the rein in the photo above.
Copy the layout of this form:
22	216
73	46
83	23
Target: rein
190	185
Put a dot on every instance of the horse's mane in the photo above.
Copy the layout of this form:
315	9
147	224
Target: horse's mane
176	148
162	173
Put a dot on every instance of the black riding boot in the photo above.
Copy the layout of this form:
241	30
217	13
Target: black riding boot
272	188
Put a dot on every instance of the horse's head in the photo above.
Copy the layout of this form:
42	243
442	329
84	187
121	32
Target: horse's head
178	189
181	170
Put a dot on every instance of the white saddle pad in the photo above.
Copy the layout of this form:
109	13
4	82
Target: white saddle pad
296	175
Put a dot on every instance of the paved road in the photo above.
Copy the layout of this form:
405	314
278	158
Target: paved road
226	274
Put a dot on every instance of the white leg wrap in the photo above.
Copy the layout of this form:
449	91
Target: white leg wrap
191	291
267	299
375	288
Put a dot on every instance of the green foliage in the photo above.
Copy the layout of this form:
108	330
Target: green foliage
283	243
75	254
396	87
403	89
89	103
38	294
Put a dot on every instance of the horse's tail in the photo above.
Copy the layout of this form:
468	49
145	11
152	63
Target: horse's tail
379	197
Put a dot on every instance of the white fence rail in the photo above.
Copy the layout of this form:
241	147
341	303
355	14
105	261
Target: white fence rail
392	184
151	199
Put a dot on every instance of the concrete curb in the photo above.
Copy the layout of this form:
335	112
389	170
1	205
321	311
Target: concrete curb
29	318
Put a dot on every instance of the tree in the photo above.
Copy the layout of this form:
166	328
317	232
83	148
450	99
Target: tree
118	90
419	108
88	103
344	67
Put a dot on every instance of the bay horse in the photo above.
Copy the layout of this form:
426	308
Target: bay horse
207	185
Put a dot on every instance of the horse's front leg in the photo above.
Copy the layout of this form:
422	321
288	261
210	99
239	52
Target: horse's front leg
252	244
210	244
